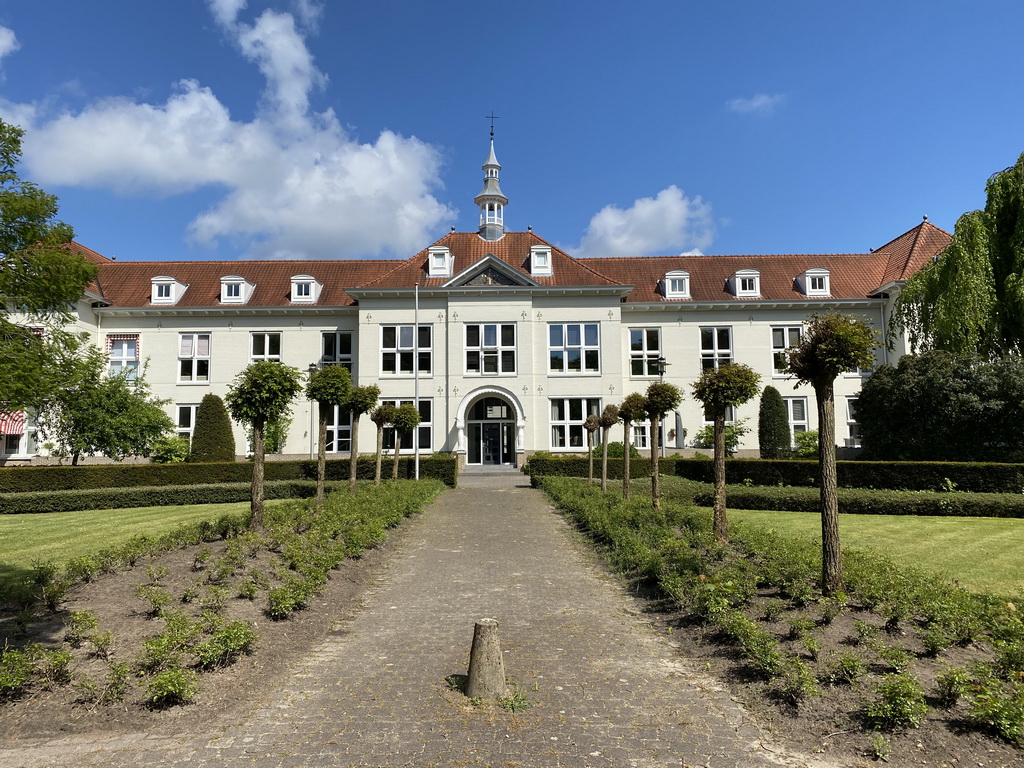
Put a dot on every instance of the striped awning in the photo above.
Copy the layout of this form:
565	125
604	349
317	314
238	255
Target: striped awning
12	423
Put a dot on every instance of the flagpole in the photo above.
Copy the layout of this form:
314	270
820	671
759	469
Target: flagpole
416	374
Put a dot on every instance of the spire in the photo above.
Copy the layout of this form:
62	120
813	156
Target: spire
490	200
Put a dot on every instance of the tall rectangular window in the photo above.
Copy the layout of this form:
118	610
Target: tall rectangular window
424	432
567	417
194	357
123	355
399	347
783	337
265	346
796	410
186	421
852	424
644	351
339	430
490	348
337	349
574	348
715	347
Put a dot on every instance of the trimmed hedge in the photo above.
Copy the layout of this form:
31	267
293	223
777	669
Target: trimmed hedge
902	475
107	476
858	501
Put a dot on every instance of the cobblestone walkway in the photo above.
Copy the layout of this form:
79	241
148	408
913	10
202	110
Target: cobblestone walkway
605	688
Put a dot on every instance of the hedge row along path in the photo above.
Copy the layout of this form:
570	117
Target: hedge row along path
604	687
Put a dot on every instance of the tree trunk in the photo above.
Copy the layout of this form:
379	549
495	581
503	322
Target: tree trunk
831	558
380	454
655	477
626	427
721	526
590	457
353	457
256	505
394	464
604	459
321	457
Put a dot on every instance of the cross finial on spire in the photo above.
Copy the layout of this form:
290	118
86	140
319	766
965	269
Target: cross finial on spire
492	117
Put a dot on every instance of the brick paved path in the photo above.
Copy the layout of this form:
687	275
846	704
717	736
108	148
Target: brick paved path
606	689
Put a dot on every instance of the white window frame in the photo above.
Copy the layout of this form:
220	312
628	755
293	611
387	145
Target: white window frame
121	358
747	284
344	359
783	339
439	262
424	431
305	289
185	420
796	424
500	351
194	358
676	284
166	290
565	417
642	355
399	359
339	430
852	424
21	445
235	289
540	260
587	350
708	420
266	354
817	282
715	354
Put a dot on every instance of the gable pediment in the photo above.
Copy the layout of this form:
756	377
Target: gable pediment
490	271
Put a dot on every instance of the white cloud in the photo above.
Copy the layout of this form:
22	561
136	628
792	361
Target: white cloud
295	183
761	104
8	42
663	225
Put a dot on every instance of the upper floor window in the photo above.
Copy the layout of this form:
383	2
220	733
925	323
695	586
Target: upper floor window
166	290
401	345
439	262
490	348
715	346
747	283
815	282
305	289
194	357
337	349
644	351
574	348
265	346
540	260
235	289
123	355
783	337
676	284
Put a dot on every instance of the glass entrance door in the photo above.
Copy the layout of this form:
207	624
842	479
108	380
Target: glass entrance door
490	433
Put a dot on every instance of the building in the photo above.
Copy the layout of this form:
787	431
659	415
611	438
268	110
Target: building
505	341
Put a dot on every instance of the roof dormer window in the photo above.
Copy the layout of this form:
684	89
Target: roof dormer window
815	282
305	289
439	262
235	290
166	290
676	284
540	261
746	284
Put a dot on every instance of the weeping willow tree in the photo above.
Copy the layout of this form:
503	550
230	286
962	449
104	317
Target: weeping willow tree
970	300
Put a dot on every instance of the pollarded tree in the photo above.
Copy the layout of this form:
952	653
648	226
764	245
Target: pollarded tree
832	344
42	278
592	423
329	387
633	408
261	393
382	416
212	436
609	418
720	389
773	425
971	299
661	398
405	421
360	400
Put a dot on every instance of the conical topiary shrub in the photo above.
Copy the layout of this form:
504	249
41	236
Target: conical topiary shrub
212	437
773	426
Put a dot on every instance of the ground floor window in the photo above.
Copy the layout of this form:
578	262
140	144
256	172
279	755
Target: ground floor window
186	420
567	417
18	436
339	430
853	441
424	431
796	408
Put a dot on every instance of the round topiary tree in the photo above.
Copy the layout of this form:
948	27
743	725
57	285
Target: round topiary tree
609	418
631	409
405	420
360	400
592	423
773	425
329	387
212	436
661	398
382	416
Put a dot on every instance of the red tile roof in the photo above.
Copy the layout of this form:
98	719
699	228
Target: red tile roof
911	251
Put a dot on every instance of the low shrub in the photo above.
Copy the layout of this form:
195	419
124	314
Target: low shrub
226	645
172	687
898	703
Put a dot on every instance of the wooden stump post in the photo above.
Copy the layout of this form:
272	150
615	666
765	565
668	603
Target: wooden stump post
486	664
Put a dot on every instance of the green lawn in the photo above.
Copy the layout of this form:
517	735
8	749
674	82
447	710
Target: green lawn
60	536
982	554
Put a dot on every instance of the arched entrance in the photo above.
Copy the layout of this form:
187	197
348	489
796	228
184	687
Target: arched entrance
490	428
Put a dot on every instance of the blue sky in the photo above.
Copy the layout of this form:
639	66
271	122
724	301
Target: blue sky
205	129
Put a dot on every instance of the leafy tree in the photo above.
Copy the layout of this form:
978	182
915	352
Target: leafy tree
96	413
592	423
971	299
40	281
382	415
831	345
938	406
719	389
633	408
661	398
734	433
170	449
609	418
773	425
329	387
405	421
806	444
360	400
212	436
262	393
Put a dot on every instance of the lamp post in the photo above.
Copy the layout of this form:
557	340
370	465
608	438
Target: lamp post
662	365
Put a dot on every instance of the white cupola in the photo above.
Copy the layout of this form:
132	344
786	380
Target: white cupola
491	201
